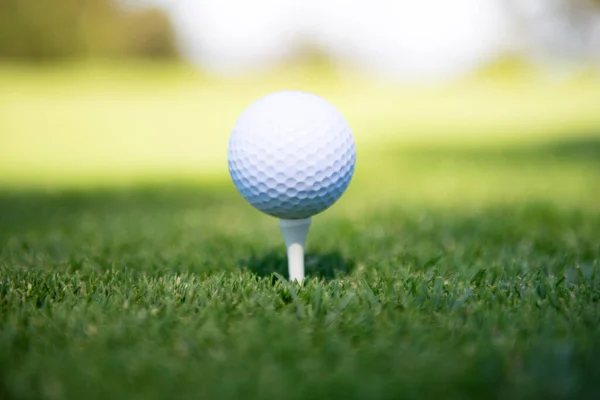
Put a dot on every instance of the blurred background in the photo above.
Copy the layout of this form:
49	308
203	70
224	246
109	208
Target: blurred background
121	91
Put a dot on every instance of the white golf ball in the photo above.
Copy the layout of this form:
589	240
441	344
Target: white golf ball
291	154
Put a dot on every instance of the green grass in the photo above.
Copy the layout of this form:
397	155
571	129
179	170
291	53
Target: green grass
76	125
131	270
487	288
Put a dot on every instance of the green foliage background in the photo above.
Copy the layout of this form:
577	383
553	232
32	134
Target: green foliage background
44	30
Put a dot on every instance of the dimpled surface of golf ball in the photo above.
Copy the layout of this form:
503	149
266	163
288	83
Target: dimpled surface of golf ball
291	154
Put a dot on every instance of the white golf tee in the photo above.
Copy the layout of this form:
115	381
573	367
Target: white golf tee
294	234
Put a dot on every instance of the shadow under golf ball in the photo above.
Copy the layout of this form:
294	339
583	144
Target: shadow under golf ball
324	265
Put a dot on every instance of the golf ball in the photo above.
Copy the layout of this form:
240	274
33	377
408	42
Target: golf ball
291	154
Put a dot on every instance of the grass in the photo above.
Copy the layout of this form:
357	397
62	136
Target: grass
85	125
457	271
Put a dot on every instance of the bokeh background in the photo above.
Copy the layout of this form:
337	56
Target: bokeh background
119	91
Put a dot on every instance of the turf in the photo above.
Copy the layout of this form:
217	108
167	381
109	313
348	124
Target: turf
454	274
461	263
74	125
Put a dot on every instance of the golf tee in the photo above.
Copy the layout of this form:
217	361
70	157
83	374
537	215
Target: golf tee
294	234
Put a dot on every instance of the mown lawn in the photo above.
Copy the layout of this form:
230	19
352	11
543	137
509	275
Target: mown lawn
444	272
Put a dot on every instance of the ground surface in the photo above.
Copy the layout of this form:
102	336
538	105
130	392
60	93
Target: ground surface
449	272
